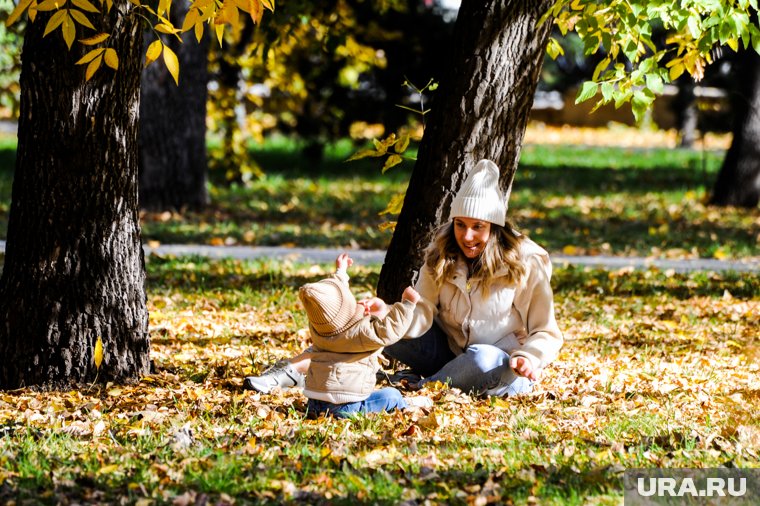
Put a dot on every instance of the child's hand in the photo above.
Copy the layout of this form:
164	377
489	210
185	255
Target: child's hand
343	262
411	295
374	306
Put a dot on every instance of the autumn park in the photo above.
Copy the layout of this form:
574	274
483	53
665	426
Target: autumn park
415	252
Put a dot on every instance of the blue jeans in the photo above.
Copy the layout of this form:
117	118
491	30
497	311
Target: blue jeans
482	369
385	399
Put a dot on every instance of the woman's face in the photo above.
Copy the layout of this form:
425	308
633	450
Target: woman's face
471	236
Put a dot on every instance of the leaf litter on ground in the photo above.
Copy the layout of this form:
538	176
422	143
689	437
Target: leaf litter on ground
659	370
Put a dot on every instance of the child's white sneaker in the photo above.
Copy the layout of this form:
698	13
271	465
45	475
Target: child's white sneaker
282	374
419	401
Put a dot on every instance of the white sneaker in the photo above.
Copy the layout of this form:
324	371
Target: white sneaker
281	374
419	401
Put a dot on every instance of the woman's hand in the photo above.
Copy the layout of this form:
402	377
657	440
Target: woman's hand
524	367
374	306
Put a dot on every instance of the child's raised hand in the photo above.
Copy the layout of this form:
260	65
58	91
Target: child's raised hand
374	306
411	295
343	262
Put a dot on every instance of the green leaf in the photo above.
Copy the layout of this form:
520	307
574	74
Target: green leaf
693	24
654	83
608	89
587	91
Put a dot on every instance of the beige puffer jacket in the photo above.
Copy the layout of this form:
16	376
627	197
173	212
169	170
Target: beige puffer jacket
517	319
343	366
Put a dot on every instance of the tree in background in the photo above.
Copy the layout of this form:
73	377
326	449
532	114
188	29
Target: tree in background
635	68
172	138
738	182
479	111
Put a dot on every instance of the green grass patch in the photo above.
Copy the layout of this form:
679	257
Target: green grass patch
571	199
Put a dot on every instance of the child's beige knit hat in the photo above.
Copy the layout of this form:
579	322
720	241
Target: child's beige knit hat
480	196
330	306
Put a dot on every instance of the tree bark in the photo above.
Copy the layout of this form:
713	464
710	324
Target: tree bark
173	161
480	111
74	268
738	182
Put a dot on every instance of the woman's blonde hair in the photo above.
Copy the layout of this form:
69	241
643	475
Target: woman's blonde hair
501	250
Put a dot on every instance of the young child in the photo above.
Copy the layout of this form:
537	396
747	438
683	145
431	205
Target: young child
346	345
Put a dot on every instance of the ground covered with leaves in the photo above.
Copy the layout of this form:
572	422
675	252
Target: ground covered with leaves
659	369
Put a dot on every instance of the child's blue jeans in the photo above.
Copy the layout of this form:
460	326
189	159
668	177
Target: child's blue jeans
482	369
385	399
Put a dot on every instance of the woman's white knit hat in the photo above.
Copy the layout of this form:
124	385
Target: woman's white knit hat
480	197
330	306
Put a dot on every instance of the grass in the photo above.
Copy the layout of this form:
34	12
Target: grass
571	199
658	370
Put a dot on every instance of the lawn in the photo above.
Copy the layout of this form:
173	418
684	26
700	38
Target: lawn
659	369
628	201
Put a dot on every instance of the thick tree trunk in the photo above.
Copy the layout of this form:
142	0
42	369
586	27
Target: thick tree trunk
173	162
74	268
479	111
738	182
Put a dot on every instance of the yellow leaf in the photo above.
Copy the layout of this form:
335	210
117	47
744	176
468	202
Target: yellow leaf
269	4
90	56
172	63
163	7
256	11
92	68
569	250
17	12
392	160
719	254
165	28
69	31
85	5
111	58
363	154
394	206
219	33
54	22
95	39
153	52
402	144
98	354
50	5
80	18
190	19
199	31
109	469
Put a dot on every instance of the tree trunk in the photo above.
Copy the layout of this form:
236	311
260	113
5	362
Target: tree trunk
479	111
173	162
74	268
738	182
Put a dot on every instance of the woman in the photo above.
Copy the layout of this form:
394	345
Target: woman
485	321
